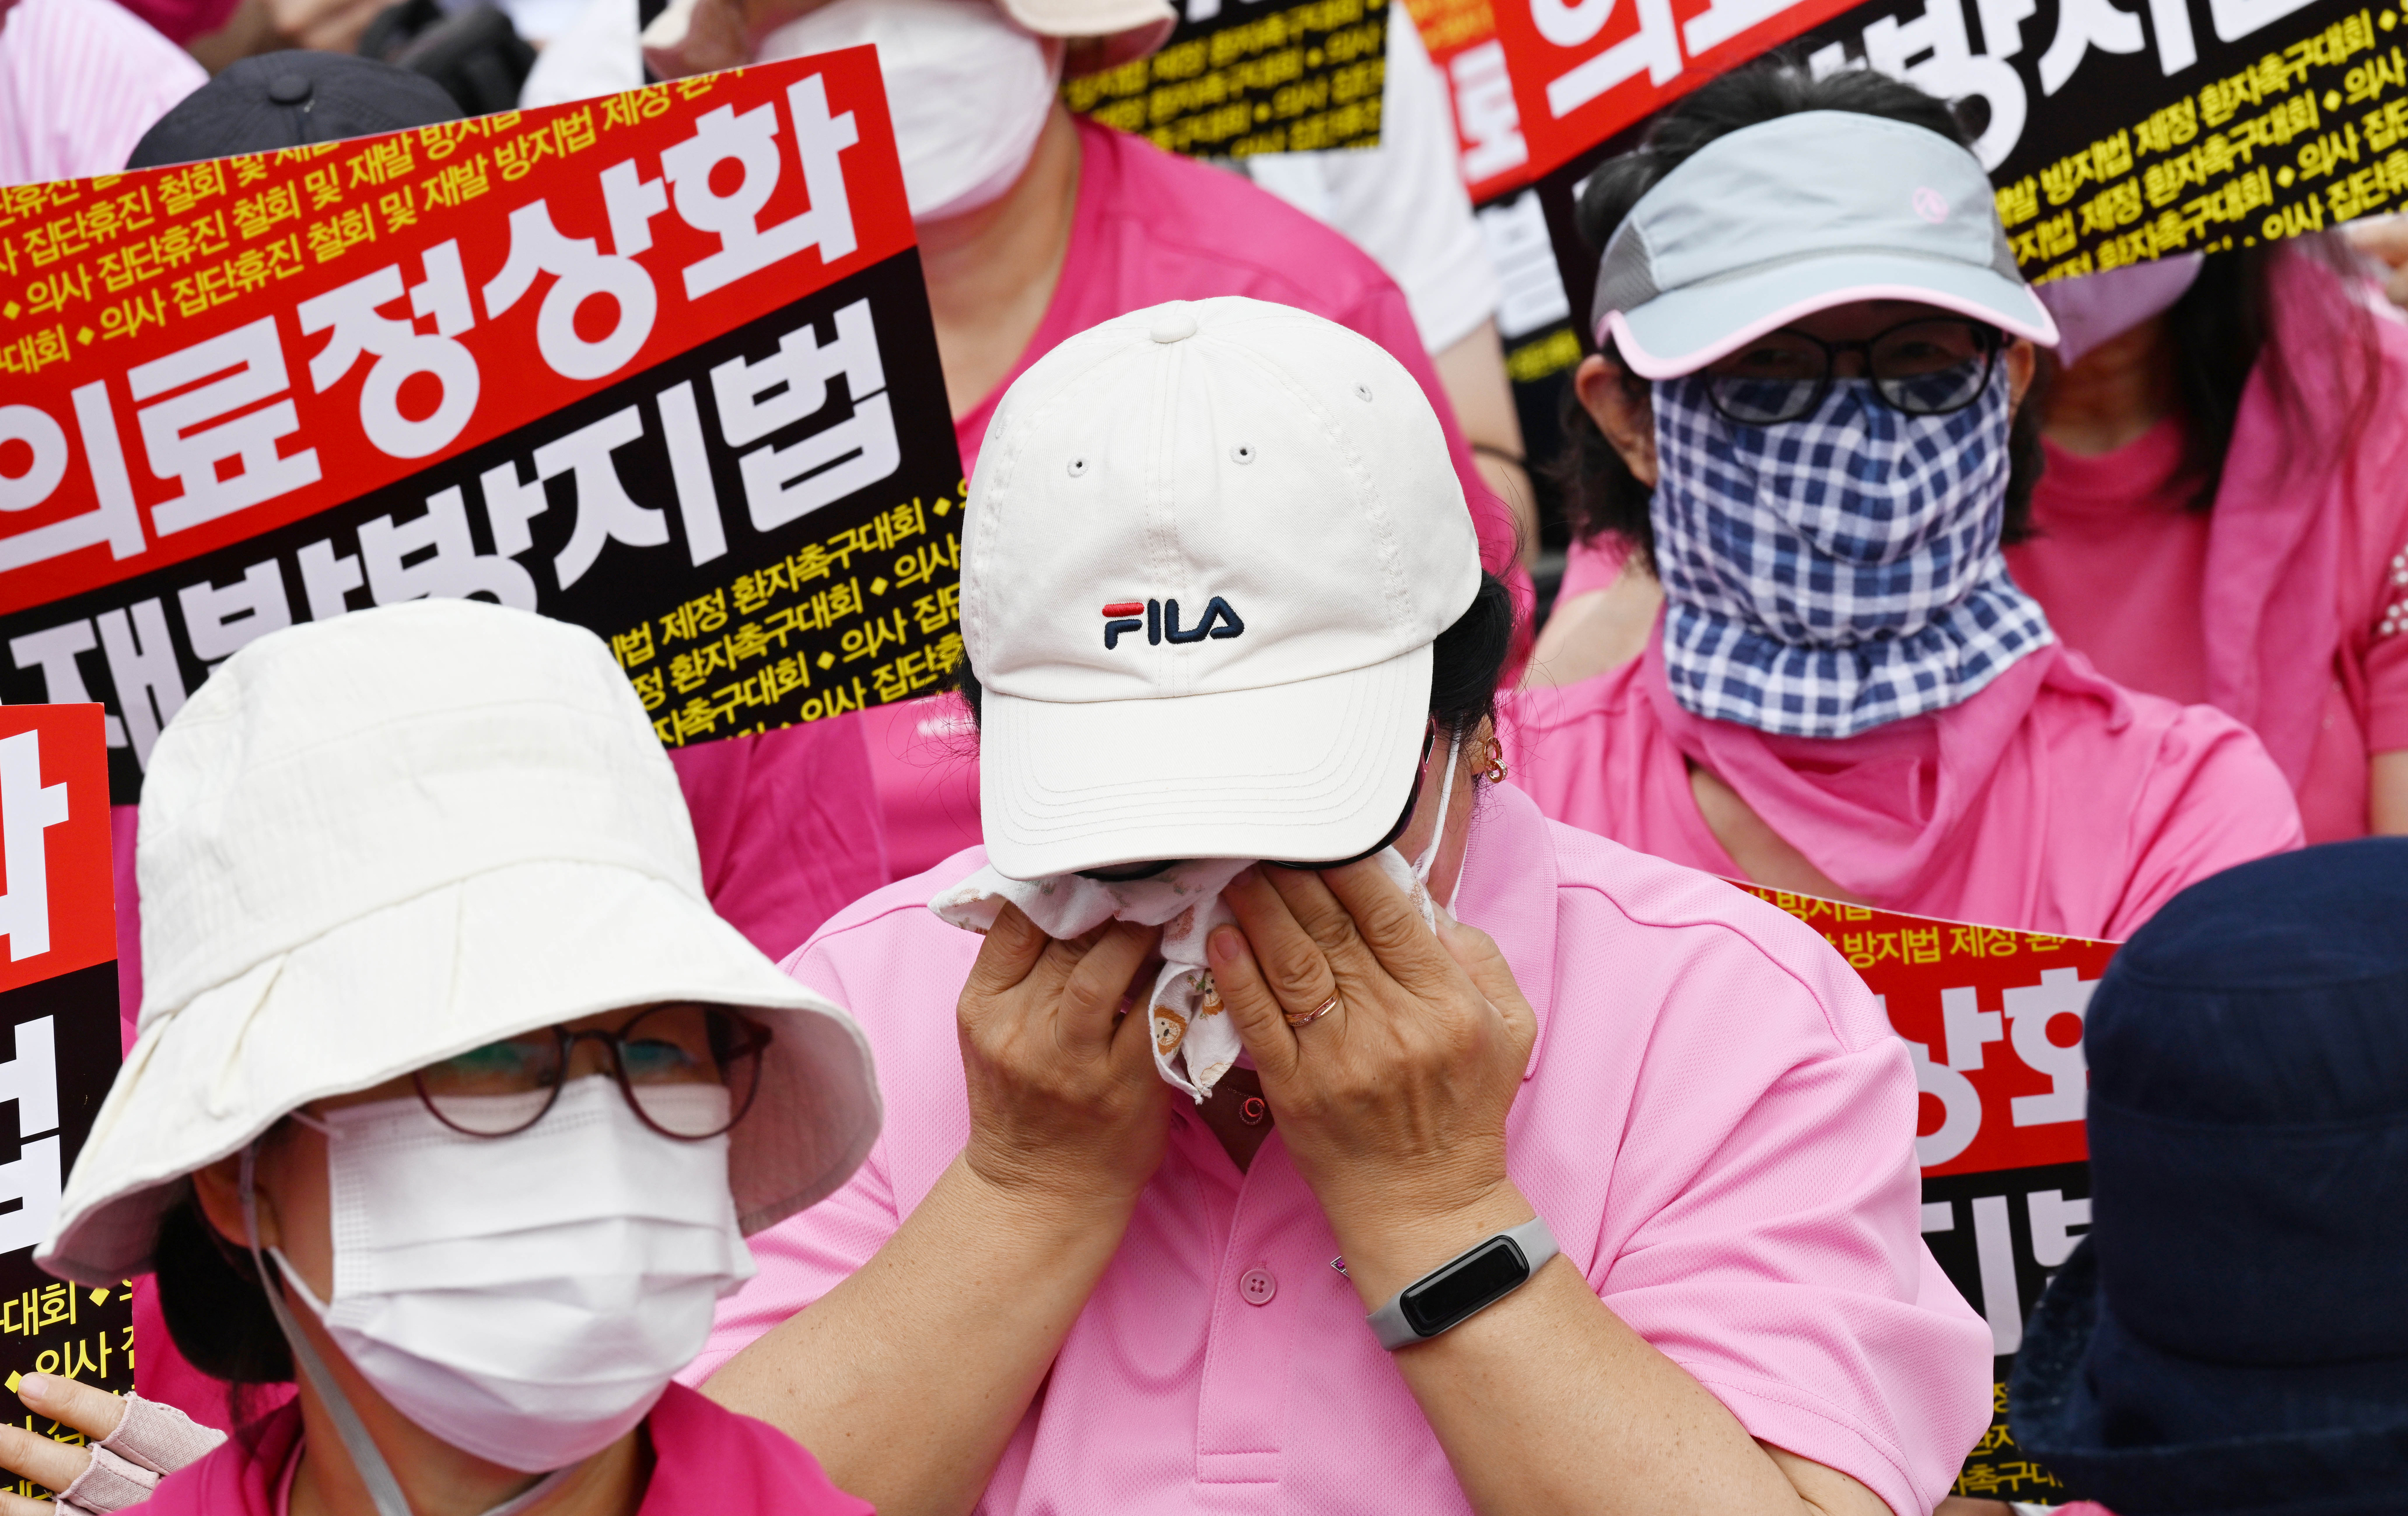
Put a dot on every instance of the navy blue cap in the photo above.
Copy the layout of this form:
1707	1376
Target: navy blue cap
289	100
2234	1334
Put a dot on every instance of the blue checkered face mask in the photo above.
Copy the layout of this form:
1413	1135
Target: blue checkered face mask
1828	574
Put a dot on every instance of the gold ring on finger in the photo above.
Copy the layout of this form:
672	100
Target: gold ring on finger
1309	1017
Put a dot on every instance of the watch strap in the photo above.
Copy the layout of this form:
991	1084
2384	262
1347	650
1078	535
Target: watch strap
1536	1241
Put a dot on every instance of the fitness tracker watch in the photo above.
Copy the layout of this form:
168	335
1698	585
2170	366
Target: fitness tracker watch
1463	1286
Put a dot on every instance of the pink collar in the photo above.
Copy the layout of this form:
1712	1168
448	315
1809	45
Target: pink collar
1874	811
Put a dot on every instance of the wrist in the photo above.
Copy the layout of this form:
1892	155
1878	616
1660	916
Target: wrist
1042	1202
1389	1247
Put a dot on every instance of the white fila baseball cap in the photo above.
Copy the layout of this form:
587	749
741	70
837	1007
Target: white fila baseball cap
1209	547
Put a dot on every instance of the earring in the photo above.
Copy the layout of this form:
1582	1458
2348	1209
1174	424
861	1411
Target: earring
1492	767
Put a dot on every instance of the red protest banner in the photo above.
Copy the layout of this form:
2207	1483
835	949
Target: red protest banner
1993	1019
1584	70
57	1002
658	363
1461	37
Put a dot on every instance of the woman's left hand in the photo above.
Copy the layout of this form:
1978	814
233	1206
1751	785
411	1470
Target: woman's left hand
1393	1104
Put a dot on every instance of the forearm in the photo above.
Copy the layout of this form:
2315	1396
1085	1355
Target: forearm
1547	1403
1472	373
907	1379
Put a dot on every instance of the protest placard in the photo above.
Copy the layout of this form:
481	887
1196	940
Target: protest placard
58	1000
659	363
1993	1019
1461	37
2114	135
1244	76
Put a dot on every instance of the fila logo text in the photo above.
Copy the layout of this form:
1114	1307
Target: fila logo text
1161	622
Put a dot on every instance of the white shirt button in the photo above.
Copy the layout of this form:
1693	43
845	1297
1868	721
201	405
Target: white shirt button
1257	1286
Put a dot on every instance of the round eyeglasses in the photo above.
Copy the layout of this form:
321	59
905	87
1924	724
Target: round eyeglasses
689	1072
1926	367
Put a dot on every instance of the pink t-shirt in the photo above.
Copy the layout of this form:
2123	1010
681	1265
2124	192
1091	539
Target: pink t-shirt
1593	564
2052	801
2287	603
1151	227
2121	561
1718	1123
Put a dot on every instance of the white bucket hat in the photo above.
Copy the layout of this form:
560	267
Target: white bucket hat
693	36
1209	547
373	843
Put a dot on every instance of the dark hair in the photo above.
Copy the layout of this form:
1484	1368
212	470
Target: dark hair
2218	330
1601	492
1466	661
212	1301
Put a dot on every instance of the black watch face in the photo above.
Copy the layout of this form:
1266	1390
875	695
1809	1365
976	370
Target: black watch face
1480	1277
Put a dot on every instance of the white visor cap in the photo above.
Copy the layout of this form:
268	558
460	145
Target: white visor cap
1795	215
372	843
1209	547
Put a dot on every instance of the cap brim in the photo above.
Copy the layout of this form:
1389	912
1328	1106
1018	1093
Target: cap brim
471	963
1302	772
1681	331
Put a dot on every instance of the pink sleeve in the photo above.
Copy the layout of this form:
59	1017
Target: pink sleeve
180	21
1777	1254
2213	800
789	827
810	1252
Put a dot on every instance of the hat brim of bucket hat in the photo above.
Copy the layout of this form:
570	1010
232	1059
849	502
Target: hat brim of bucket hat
2327	1471
1132	28
1682	331
491	956
1302	772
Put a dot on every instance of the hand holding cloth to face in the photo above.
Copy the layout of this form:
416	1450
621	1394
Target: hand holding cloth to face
1195	1043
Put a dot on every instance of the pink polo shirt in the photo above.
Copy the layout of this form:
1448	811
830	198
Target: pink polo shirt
2051	801
1718	1123
1151	227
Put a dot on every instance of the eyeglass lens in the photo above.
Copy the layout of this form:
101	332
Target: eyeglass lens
689	1071
1923	369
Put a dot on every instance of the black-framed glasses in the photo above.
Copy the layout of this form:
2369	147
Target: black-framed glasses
688	1072
1930	366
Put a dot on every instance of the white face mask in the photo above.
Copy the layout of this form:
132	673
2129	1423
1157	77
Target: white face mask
525	1298
969	93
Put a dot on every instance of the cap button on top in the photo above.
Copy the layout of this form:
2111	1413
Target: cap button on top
289	89
1175	324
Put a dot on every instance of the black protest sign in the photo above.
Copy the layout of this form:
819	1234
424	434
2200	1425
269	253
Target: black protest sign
1244	76
274	388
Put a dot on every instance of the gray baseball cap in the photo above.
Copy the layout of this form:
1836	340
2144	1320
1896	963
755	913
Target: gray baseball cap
1795	215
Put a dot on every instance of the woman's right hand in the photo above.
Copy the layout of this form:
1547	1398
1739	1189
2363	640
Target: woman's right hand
48	1462
1066	1106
